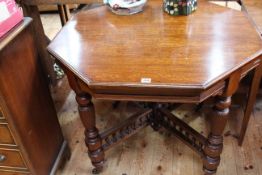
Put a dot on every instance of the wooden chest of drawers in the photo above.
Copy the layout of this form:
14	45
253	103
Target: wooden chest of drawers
10	156
31	141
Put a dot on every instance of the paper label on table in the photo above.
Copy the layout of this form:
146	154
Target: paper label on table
145	80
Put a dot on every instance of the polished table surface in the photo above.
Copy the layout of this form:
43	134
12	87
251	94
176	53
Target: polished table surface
190	52
254	9
153	57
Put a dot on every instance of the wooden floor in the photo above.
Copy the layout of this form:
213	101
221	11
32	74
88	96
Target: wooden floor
150	152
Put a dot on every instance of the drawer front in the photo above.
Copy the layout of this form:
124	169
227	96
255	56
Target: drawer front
11	159
6	137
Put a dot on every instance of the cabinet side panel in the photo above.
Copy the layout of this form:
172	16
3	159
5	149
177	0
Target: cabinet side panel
26	94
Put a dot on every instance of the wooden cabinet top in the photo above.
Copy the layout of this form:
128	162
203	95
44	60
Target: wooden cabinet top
193	51
6	39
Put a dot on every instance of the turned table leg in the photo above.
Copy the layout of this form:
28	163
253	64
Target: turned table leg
87	114
214	145
92	137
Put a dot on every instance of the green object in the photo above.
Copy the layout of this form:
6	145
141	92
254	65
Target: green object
179	7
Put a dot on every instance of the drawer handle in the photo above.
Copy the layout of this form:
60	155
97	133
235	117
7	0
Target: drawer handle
2	158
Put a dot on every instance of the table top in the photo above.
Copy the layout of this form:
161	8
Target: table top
254	9
154	49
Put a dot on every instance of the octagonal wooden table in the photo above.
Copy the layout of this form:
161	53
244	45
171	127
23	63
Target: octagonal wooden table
157	58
